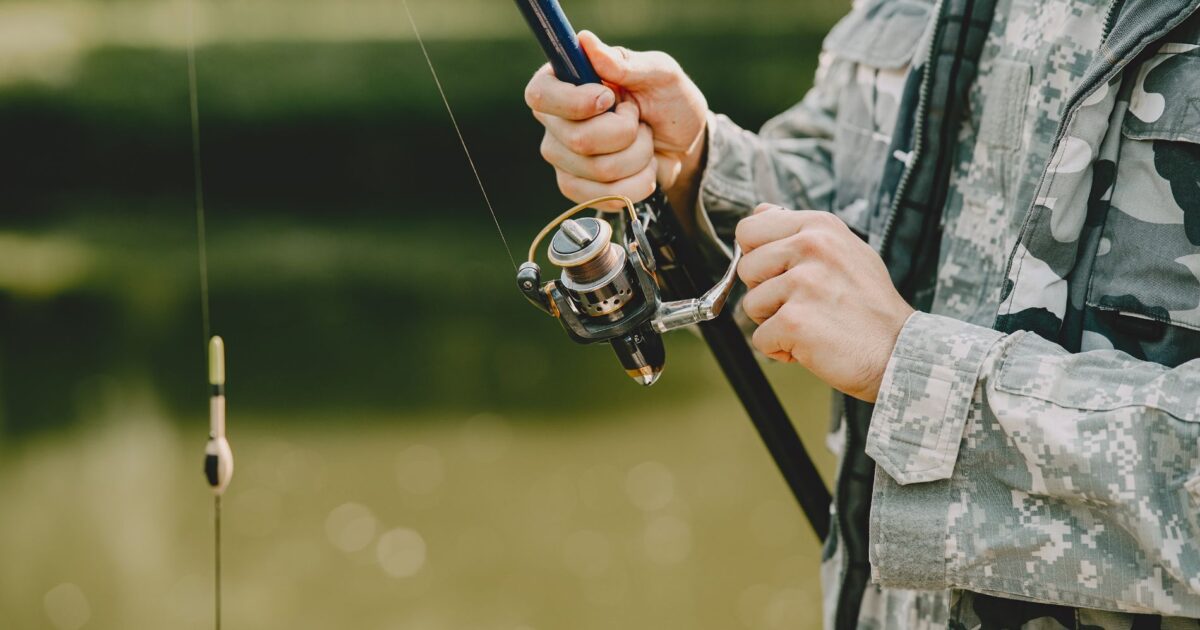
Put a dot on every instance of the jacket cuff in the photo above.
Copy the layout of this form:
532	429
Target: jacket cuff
725	193
926	396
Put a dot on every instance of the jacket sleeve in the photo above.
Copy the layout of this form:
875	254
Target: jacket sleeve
789	162
1007	465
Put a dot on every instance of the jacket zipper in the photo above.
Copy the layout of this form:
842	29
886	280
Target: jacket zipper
1111	18
919	124
918	132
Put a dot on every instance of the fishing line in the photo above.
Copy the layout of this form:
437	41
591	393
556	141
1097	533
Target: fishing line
197	169
202	257
458	130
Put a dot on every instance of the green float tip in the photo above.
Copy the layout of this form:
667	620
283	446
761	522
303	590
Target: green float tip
216	361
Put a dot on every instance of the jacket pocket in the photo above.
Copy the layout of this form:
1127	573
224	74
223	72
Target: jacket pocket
1002	129
1144	294
1165	104
870	53
1002	122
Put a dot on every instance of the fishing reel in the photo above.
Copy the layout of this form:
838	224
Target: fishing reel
609	291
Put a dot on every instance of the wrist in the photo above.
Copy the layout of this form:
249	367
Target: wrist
685	190
887	349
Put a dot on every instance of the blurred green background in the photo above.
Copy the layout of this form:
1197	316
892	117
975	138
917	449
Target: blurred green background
416	447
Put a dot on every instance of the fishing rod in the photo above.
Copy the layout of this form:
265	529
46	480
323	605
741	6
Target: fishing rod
629	292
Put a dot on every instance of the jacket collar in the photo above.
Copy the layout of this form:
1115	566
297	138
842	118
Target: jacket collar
1136	25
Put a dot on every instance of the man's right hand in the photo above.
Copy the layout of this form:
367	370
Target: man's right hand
656	135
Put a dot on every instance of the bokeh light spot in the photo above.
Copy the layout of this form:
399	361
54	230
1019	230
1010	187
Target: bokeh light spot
401	552
67	606
350	527
650	486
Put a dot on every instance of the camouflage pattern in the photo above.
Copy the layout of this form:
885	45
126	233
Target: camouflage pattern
1037	434
826	152
972	610
1073	482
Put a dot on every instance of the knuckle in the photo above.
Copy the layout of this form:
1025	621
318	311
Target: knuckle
650	175
825	242
547	148
581	108
816	217
750	302
643	135
827	220
803	243
567	185
812	243
630	131
665	68
533	96
748	308
791	318
743	272
758	340
797	279
578	142
640	186
741	232
606	170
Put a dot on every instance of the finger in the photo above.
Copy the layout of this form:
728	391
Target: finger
607	133
769	224
764	301
773	338
636	187
546	94
628	68
768	261
604	169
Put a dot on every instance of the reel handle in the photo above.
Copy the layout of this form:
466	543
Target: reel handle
681	313
558	41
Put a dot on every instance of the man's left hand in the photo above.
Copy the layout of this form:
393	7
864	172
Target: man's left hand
821	296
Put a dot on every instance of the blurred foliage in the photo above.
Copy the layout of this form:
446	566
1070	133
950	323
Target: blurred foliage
333	166
323	128
387	383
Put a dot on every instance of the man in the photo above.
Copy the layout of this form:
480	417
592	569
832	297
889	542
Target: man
991	233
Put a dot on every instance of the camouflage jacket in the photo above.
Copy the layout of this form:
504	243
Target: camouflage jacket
1030	171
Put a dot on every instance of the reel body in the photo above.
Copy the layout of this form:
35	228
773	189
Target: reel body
608	291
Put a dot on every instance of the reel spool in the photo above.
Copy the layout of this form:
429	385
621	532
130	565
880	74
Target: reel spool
607	291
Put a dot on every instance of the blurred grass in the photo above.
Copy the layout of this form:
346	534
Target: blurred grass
671	517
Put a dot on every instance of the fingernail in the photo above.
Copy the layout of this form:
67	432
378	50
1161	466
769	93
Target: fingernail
605	101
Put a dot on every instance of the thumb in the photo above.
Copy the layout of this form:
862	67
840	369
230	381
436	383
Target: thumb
621	66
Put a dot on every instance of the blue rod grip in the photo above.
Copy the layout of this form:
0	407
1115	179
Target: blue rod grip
558	41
